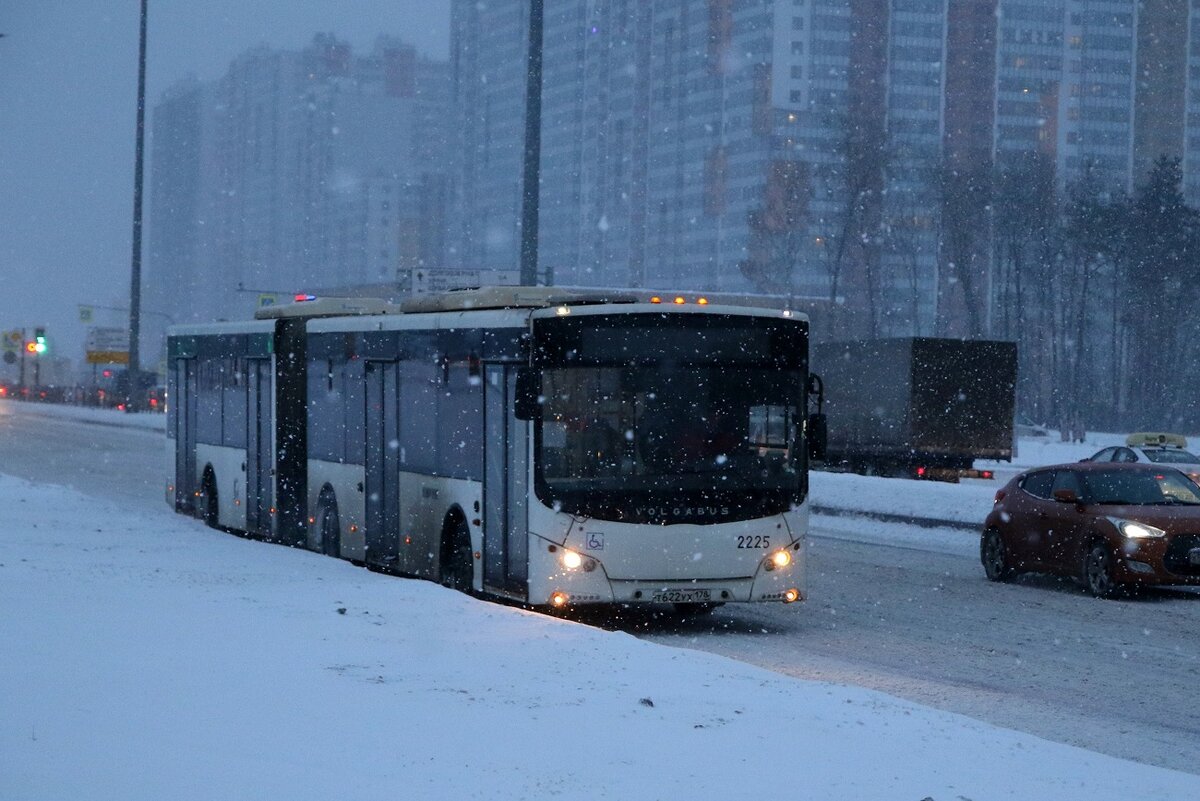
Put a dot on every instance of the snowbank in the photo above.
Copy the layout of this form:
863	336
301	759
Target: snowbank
88	414
149	658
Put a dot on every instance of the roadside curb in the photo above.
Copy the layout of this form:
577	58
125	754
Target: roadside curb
885	517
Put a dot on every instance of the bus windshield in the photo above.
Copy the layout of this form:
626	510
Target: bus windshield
670	444
670	418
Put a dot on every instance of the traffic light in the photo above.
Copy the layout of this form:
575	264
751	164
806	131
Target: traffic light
39	340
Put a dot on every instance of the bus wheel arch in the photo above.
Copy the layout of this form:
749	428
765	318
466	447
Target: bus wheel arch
326	536
456	565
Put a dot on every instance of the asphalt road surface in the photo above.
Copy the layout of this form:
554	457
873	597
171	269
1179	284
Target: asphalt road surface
916	621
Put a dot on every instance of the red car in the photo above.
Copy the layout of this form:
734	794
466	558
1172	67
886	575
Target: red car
1107	524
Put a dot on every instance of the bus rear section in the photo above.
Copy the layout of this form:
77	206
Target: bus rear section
221	414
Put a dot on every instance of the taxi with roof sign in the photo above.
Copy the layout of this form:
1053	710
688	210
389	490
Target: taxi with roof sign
1155	448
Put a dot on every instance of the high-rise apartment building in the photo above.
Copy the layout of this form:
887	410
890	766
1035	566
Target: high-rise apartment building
1065	87
753	145
1167	108
176	189
836	148
298	169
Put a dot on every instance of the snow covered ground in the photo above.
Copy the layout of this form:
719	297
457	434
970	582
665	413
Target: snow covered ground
146	657
89	414
967	502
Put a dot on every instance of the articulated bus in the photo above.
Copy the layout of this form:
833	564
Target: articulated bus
547	446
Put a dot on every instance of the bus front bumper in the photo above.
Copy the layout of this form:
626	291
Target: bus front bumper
552	584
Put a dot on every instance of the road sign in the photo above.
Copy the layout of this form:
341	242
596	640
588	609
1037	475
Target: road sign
108	357
85	314
267	299
107	346
12	339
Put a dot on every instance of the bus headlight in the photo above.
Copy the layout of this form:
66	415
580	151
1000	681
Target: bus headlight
559	599
573	561
791	595
779	559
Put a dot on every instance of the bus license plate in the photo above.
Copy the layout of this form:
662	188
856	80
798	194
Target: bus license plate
681	596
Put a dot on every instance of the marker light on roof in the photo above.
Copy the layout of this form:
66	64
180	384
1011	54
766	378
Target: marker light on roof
702	301
656	299
679	301
563	311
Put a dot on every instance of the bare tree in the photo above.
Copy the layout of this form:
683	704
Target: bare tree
778	228
966	194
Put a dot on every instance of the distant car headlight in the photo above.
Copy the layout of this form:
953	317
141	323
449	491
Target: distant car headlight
1136	531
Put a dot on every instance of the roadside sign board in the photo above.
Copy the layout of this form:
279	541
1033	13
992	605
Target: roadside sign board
107	345
85	314
267	299
12	339
108	357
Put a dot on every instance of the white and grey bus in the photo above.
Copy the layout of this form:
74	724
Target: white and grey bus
549	446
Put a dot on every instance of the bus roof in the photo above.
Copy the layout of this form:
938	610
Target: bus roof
313	306
514	297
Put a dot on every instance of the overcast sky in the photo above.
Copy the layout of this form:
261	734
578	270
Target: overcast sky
68	106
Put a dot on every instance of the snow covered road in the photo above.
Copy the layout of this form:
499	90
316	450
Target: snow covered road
895	608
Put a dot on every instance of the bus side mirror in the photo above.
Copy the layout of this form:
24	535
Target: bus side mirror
525	404
818	436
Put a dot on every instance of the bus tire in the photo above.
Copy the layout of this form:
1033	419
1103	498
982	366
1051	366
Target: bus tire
456	568
327	526
210	507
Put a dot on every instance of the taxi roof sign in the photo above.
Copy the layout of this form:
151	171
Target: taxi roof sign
1147	439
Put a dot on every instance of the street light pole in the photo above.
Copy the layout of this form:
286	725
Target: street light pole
531	184
133	400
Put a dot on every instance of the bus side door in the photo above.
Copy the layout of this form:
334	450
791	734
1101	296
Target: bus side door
184	401
382	463
260	461
505	485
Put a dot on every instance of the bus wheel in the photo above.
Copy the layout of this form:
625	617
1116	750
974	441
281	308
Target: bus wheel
695	610
327	527
209	507
457	567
